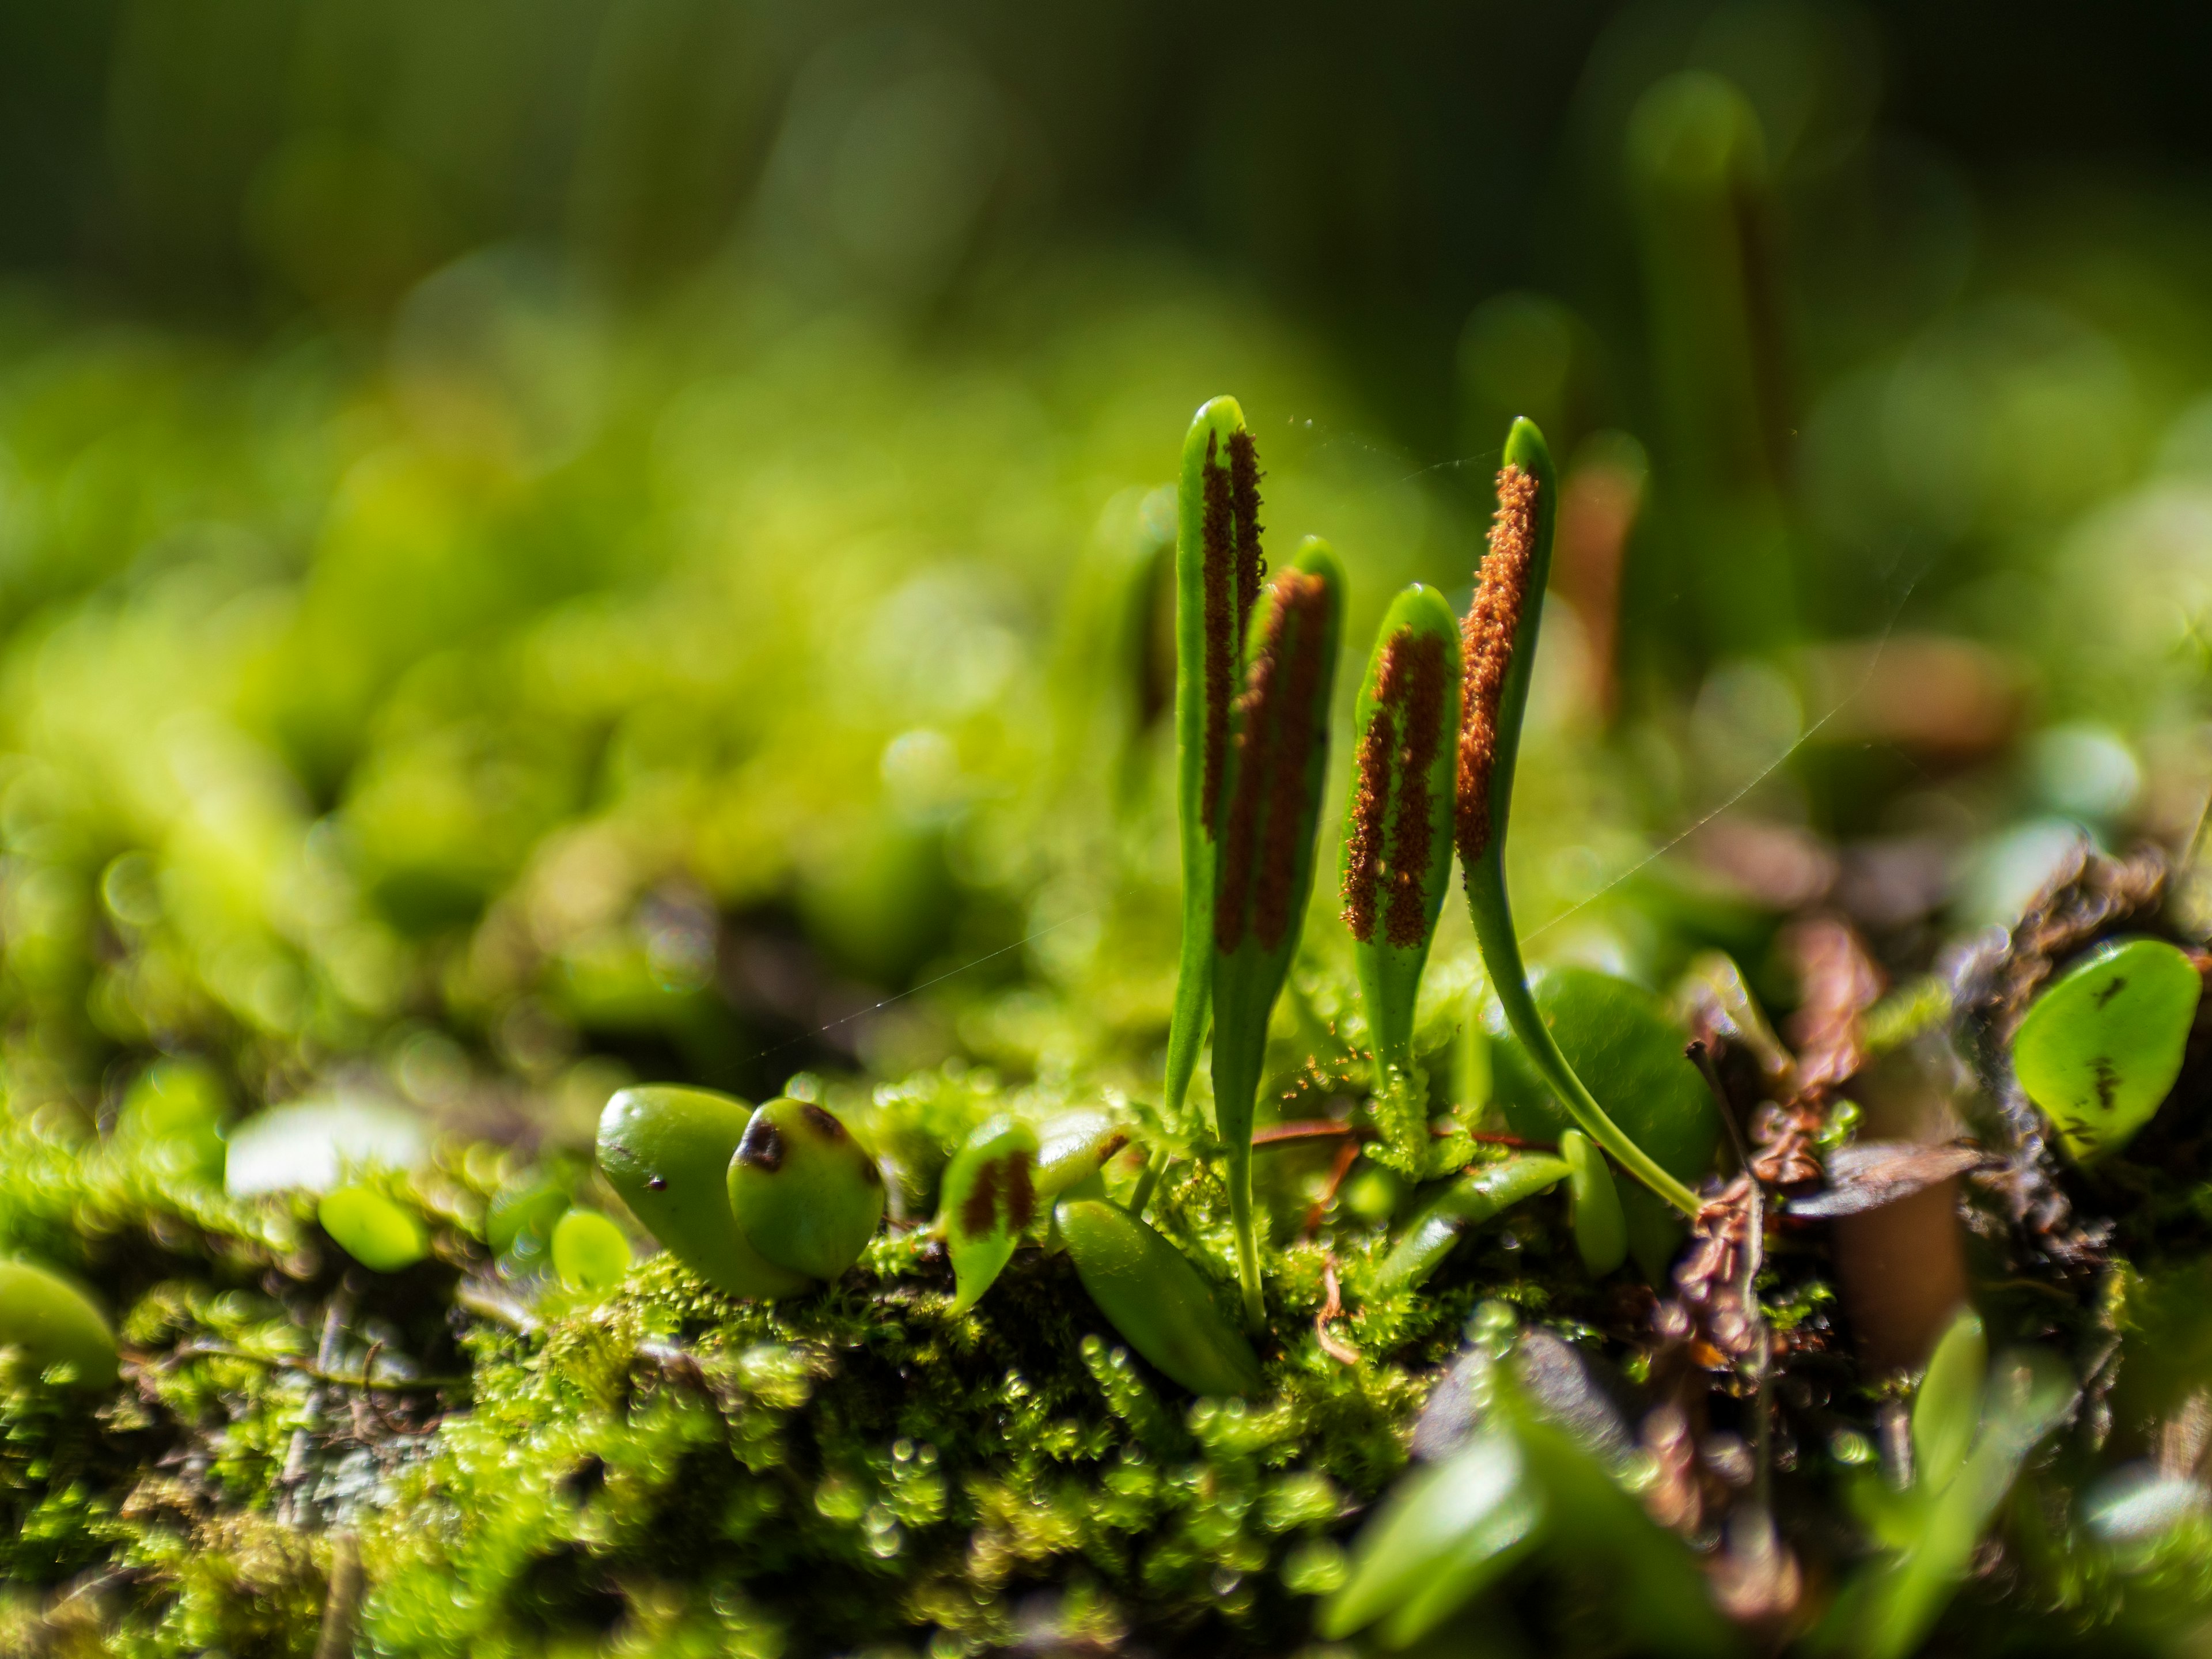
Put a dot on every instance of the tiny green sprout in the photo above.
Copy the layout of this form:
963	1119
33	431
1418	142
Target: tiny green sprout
1276	768
1155	1299
1469	1201
1499	653
589	1251
990	1198
1218	571
1600	1231
373	1229
666	1152
1397	846
2102	1045
805	1193
49	1321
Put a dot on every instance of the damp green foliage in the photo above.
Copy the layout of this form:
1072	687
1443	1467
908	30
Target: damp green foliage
372	1229
806	1194
1483	868
1396	845
990	1197
589	1251
1622	1043
705	1473
1201	718
1272	792
667	1152
2100	1048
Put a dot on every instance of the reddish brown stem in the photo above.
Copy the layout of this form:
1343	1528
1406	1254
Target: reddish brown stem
1324	1128
1347	1156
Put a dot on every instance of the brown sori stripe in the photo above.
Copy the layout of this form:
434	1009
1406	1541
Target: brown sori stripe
1363	848
1244	489
1492	623
1305	601
980	1213
1224	628
1255	743
1415	670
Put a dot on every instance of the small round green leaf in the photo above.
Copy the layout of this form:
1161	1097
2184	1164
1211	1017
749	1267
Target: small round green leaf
990	1198
589	1251
806	1194
49	1321
1155	1299
2100	1047
373	1229
666	1151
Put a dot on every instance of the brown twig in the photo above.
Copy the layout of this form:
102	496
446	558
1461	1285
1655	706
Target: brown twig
1343	1353
1347	1156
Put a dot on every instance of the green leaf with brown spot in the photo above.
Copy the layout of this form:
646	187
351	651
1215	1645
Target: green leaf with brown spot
988	1201
2100	1047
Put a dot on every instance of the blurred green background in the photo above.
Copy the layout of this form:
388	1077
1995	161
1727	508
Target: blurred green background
542	544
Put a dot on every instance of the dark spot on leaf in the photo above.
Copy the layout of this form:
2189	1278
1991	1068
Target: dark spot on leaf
2108	1080
762	1147
2111	991
979	1213
1021	1195
823	1123
657	1183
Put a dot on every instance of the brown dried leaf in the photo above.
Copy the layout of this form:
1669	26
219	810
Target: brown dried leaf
1872	1173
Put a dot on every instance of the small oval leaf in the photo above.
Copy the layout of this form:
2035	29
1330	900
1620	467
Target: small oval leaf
589	1251
990	1197
1155	1299
2100	1047
806	1194
49	1321
666	1152
373	1229
1471	1199
1600	1234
